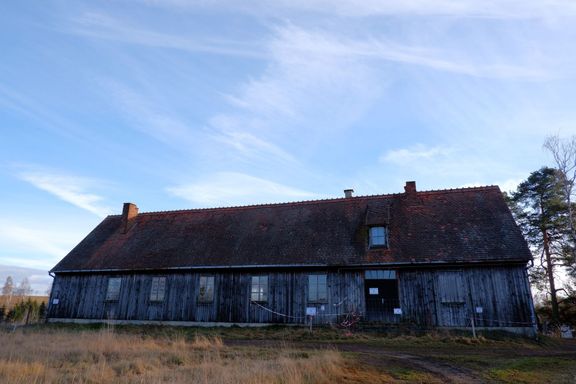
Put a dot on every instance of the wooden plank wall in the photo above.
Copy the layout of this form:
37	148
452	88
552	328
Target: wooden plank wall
82	296
427	297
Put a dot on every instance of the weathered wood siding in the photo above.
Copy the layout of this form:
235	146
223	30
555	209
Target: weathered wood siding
428	297
449	297
82	296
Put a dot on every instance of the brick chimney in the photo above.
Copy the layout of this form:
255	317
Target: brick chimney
129	212
410	187
348	193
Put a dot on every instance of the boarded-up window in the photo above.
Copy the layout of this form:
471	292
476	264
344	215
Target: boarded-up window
259	291
113	290
377	236
451	287
158	288
206	290
317	288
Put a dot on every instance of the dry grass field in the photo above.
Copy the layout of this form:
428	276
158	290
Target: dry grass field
59	356
76	354
9	303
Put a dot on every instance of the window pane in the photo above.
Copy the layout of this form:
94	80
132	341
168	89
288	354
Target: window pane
317	288
452	288
377	236
157	288
113	291
259	289
380	274
206	290
312	285
322	288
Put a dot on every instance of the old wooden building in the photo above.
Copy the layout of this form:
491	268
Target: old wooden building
435	258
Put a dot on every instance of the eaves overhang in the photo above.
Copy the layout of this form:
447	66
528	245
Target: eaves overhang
409	264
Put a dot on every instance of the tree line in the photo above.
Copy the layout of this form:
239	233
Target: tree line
16	304
544	209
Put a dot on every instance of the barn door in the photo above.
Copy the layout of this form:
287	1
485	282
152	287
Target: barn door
453	310
381	293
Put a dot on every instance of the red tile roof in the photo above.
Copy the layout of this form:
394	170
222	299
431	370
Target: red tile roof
452	226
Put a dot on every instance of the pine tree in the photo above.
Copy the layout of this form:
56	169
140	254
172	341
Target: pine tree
540	208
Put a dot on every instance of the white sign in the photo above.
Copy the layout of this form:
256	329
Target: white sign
566	332
373	291
310	311
322	308
479	309
55	301
397	311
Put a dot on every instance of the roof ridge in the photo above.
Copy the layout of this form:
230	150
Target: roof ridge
306	202
264	205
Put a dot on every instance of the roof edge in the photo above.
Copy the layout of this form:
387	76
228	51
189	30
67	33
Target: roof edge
283	266
328	200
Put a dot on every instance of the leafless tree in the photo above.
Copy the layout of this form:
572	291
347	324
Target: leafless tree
564	153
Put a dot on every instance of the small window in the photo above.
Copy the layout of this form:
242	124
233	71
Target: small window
380	274
259	291
158	288
113	291
451	287
317	289
206	290
377	237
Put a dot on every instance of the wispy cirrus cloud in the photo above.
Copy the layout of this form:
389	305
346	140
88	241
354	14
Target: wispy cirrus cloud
39	239
502	9
147	115
415	153
233	188
294	101
301	42
103	26
245	143
71	189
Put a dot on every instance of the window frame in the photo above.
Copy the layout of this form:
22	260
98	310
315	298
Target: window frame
314	281
452	287
112	293
372	237
261	290
154	296
201	296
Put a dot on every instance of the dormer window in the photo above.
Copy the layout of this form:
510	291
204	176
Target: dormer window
377	237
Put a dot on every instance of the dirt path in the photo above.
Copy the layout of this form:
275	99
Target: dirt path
380	358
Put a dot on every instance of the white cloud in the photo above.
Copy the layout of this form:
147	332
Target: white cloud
37	244
231	188
245	143
71	189
509	185
147	116
39	239
508	9
298	43
103	26
296	100
416	153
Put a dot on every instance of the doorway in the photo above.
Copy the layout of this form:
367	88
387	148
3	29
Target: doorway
381	293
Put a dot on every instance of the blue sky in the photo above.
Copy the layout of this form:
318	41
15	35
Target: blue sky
180	104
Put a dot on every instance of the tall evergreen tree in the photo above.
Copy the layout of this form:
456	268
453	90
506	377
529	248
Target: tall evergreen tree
540	208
